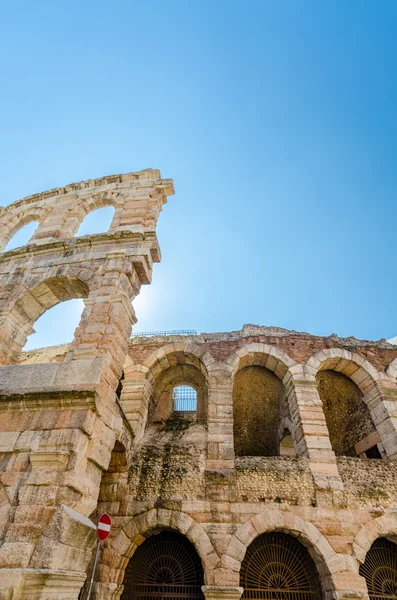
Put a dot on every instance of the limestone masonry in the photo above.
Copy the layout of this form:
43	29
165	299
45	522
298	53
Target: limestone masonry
258	463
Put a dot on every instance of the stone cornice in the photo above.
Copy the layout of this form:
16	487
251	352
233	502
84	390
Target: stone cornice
146	175
57	247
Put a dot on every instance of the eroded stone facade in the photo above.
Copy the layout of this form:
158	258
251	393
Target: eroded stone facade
92	427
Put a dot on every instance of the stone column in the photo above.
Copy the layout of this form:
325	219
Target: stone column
312	437
220	449
134	399
382	404
52	228
106	322
222	592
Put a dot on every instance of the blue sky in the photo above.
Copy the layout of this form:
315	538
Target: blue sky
277	121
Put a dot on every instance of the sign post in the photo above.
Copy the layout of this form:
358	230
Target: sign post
103	530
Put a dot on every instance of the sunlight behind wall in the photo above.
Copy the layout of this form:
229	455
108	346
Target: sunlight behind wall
56	326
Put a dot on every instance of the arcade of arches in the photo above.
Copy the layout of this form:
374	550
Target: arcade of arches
258	463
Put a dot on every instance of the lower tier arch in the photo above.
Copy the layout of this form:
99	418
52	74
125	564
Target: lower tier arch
277	566
165	566
380	570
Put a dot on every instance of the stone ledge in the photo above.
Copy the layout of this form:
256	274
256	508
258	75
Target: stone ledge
119	236
69	376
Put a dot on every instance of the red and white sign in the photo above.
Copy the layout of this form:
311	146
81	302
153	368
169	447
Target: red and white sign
104	525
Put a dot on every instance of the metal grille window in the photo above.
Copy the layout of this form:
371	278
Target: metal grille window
184	398
276	566
165	567
380	570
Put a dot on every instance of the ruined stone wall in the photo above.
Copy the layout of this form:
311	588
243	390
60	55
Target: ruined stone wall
181	473
298	345
60	417
71	447
187	477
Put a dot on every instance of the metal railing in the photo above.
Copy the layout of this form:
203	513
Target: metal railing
160	333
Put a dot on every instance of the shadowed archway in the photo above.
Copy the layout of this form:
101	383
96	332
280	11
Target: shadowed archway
165	566
380	570
277	566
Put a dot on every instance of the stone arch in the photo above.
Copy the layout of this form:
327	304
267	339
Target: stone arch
12	221
28	302
384	526
354	366
179	363
164	565
262	355
178	353
120	549
95	229
259	398
350	381
327	561
78	212
392	369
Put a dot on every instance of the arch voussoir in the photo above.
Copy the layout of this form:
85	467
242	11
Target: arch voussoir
139	528
259	354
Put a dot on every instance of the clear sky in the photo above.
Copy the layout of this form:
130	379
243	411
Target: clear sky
277	121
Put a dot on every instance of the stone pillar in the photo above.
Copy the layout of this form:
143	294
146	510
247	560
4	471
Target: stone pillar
312	437
52	228
134	399
220	449
106	322
382	404
222	592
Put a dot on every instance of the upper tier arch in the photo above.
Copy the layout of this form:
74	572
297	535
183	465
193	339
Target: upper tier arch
137	197
354	366
178	353
262	355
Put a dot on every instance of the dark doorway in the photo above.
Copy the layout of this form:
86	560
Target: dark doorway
277	566
166	566
380	570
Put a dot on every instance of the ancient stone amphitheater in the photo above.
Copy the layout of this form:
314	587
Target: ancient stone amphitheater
257	464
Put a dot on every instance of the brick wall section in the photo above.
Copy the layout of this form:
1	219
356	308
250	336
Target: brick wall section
299	346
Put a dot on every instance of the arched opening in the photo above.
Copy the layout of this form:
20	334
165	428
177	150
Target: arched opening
31	305
287	444
257	400
179	390
56	326
22	236
380	570
277	566
184	399
351	430
165	566
97	221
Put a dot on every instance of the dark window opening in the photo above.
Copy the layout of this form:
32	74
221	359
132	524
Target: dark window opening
373	452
